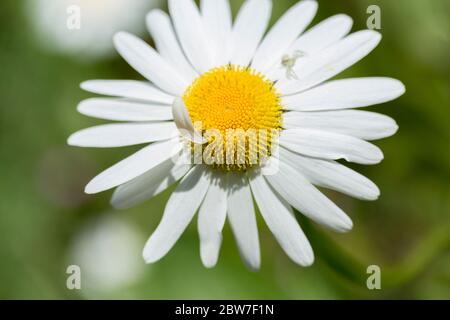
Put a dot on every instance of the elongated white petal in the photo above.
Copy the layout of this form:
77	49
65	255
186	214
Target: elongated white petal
360	124
217	21
319	37
332	146
211	219
332	175
283	34
123	134
149	63
346	94
148	185
122	110
324	34
184	123
304	197
333	60
161	29
249	27
241	216
191	33
137	90
281	221
179	211
133	166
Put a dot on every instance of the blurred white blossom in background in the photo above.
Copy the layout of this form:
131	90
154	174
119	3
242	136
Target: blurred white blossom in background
83	29
108	251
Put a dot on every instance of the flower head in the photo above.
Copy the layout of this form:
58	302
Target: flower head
241	102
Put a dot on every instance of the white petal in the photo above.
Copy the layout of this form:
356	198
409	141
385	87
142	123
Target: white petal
332	146
281	221
148	185
179	211
191	33
249	27
283	34
161	29
319	37
149	63
241	216
134	166
345	94
123	134
304	197
138	90
211	219
333	60
332	175
217	21
360	124
122	110
184	123
324	34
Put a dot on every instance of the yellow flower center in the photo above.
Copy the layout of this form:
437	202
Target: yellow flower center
237	103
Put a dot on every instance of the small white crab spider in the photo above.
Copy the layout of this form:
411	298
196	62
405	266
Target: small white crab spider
289	61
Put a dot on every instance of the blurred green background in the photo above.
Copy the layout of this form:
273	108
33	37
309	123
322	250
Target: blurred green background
43	210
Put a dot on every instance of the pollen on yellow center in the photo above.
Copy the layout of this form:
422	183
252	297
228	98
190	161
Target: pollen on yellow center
233	98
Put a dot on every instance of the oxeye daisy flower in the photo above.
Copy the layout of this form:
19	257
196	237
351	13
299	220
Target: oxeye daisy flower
209	77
